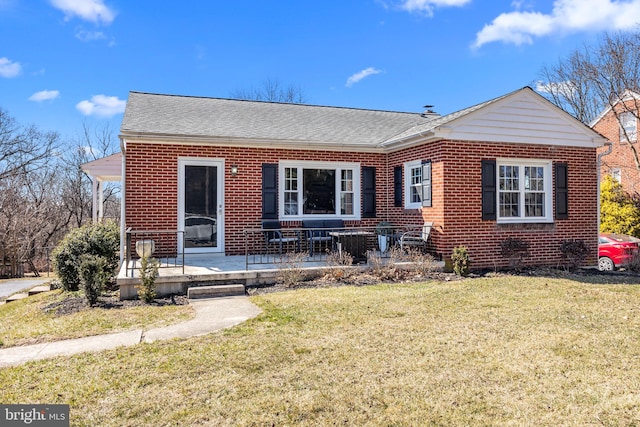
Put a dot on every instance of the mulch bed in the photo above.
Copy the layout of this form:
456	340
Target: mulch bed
73	303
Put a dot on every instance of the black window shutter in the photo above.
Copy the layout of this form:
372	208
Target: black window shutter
562	191
397	186
269	191
489	203
368	192
426	183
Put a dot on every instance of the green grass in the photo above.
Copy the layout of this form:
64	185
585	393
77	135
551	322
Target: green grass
24	321
490	351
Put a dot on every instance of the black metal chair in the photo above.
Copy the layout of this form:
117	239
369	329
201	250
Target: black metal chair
273	236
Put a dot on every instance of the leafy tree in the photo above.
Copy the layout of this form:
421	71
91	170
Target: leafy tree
618	212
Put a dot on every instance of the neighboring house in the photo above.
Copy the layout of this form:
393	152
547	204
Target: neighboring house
619	124
515	166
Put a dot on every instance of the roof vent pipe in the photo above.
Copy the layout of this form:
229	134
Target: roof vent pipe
428	112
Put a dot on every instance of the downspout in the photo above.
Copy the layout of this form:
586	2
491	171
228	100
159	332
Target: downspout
123	199
600	156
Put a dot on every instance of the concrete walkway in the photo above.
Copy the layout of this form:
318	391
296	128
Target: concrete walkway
11	286
211	315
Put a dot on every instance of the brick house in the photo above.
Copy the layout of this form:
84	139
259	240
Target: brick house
619	125
514	166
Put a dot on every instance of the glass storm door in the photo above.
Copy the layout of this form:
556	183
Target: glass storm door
200	213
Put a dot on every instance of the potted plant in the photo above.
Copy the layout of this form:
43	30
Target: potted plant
384	230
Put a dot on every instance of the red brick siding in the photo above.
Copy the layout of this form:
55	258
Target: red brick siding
152	186
621	156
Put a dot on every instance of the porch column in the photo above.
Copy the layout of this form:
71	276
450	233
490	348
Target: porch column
94	200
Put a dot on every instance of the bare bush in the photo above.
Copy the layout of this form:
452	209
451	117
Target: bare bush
340	264
291	269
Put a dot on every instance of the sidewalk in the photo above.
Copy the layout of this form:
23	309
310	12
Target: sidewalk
11	286
211	315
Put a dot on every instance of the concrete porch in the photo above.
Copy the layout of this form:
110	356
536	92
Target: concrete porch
206	270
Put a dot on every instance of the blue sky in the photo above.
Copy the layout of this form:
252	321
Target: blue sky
63	62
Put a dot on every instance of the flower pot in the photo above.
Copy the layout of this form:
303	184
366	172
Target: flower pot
383	243
145	248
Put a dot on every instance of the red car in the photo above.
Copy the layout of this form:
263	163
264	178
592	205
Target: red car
615	250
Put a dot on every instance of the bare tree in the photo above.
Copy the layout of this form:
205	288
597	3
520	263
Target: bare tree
93	143
22	148
273	91
43	192
593	78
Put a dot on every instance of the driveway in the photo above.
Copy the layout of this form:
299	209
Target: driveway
11	286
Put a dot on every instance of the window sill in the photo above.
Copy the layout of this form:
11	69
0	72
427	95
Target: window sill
542	226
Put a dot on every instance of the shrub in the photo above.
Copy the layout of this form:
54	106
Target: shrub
340	263
290	270
93	276
514	249
420	262
386	269
633	263
101	240
460	260
148	274
574	252
618	212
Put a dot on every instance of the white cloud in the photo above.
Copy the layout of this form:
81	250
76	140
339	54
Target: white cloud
361	75
87	36
102	106
567	16
9	68
89	10
427	6
44	95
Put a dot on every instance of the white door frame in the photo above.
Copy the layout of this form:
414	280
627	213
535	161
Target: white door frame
199	161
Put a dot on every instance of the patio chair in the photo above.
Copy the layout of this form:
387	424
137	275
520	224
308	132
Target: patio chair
273	236
319	231
416	237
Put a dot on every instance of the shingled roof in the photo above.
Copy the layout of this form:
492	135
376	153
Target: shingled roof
187	116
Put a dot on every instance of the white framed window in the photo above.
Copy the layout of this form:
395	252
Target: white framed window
628	127
524	190
616	174
309	189
417	184
413	184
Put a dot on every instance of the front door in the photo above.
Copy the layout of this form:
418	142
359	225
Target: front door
201	205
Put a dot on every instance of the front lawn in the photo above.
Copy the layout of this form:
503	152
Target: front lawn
489	351
56	315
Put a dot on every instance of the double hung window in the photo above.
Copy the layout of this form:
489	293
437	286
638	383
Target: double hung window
628	127
319	189
524	191
417	184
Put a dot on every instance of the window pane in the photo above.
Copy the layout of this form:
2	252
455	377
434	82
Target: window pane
291	203
290	179
347	180
346	204
416	184
509	178
533	178
509	205
534	204
319	186
628	126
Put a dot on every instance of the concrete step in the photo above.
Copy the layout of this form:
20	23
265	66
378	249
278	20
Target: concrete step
39	289
215	291
16	297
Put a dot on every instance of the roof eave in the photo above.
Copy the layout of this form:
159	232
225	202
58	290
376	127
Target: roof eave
227	141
